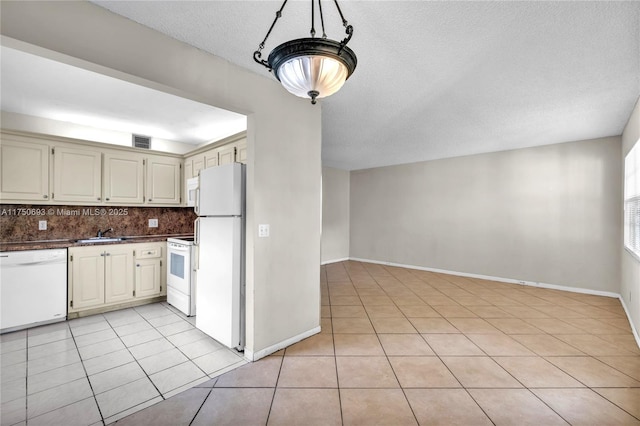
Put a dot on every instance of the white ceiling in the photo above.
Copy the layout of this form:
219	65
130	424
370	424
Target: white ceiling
440	79
40	87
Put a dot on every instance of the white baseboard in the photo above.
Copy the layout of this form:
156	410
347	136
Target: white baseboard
326	262
634	330
254	356
500	279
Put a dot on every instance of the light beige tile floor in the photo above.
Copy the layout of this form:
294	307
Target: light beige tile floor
98	369
397	347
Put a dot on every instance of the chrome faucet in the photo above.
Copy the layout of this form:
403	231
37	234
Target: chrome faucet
101	233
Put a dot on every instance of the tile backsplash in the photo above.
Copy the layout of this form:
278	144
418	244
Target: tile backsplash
20	222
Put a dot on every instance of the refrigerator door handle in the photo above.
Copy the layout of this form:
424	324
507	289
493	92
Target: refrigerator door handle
196	236
196	206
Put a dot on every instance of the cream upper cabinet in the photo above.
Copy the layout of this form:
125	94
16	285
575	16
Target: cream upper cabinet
77	174
188	169
199	163
227	155
86	277
163	180
241	152
123	178
118	277
211	158
24	170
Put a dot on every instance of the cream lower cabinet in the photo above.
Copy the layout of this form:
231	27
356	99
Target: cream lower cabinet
150	275
107	277
118	277
86	277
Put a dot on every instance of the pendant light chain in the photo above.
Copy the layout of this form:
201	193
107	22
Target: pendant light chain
345	24
313	19
257	55
324	34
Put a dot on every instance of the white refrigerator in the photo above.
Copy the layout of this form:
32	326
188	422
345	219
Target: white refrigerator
219	237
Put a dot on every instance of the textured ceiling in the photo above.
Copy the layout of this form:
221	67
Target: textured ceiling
440	79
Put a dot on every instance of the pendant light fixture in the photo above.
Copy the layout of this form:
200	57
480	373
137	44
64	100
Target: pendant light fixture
311	67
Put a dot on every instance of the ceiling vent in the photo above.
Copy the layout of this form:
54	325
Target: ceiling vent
140	141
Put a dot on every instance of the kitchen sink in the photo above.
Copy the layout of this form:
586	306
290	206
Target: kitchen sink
94	240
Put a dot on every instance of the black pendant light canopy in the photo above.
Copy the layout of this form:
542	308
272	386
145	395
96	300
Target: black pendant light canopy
311	67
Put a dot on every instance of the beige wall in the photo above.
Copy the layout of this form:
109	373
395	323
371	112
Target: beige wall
549	214
630	282
335	215
283	292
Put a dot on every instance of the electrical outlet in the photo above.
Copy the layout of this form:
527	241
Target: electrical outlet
263	230
153	223
42	225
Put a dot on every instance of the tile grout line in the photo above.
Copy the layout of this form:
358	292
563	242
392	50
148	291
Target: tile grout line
275	388
95	398
333	341
415	417
450	372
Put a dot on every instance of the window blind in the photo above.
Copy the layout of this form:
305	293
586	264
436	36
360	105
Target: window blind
632	200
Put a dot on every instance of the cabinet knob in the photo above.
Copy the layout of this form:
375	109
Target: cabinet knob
98	198
150	199
45	196
107	198
137	265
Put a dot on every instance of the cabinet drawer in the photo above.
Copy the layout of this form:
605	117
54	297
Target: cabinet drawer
148	252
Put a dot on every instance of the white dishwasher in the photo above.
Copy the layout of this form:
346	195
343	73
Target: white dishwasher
33	288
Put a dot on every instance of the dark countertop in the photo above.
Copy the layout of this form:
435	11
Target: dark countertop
66	243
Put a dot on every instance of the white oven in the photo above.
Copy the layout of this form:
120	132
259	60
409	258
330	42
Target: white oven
181	275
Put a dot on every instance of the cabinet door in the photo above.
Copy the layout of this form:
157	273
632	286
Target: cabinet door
148	277
163	180
211	159
188	169
123	178
118	274
24	173
241	152
198	164
227	155
77	175
86	268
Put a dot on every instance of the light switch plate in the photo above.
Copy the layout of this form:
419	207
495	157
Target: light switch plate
263	230
153	223
42	225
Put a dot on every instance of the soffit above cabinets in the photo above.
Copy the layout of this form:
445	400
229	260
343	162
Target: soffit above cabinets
40	87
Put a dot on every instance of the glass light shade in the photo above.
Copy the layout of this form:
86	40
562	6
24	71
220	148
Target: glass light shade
304	74
312	67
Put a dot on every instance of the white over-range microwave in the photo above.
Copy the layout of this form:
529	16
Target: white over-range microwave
192	188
